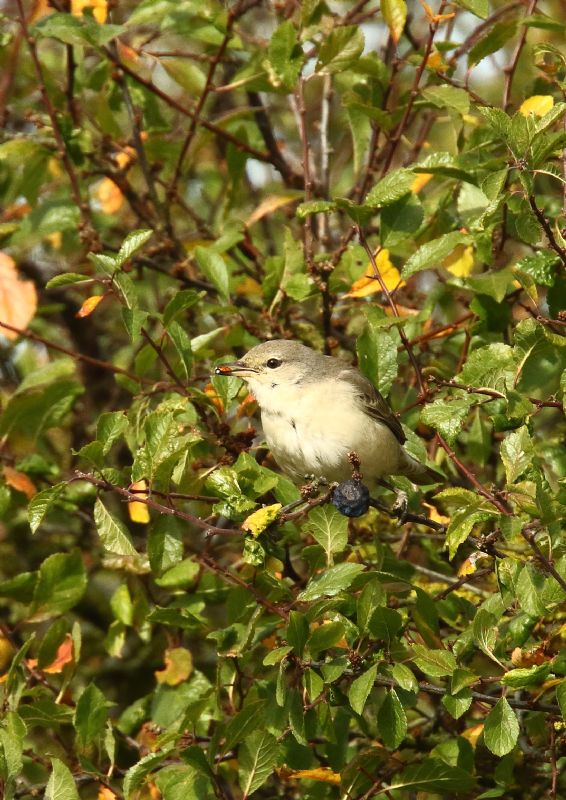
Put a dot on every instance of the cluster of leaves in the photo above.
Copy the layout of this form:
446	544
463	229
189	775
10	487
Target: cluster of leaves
180	181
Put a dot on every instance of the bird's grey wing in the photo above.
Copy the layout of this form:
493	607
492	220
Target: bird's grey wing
374	403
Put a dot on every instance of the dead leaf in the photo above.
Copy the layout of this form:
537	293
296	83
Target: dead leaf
109	197
368	283
139	512
178	667
104	793
19	481
473	734
63	656
89	305
268	206
321	774
18	298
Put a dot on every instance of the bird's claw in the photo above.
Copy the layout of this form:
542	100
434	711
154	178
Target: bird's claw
401	506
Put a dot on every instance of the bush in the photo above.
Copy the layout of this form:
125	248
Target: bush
182	180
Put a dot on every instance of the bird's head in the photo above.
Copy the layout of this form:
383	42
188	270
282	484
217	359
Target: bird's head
279	362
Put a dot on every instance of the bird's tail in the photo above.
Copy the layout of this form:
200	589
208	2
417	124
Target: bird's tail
417	472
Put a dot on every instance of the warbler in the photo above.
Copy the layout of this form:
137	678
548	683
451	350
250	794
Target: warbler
316	409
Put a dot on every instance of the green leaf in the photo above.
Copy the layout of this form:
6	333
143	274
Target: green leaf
372	596
395	15
165	544
391	188
458	703
433	775
244	723
257	757
341	49
447	416
277	655
35	411
385	624
132	243
314	207
90	715
497	37
137	773
448	97
392	721
404	677
360	689
60	585
214	268
182	344
331	582
40	504
501	729
284	57
490	367
329	528
433	253
61	784
182	300
324	637
297	632
436	663
528	590
561	697
109	428
377	352
517	453
493	283
484	630
74	30
114	535
526	677
478	7
65	279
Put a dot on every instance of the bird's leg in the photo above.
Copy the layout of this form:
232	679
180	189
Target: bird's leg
400	507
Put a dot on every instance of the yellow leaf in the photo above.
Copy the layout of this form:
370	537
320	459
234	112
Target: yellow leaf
19	481
461	261
269	205
99	9
178	667
257	522
432	17
41	9
538	104
139	512
7	652
368	283
420	182
436	62
214	397
473	734
395	15
435	515
55	239
321	774
18	298
248	286
89	305
109	197
104	793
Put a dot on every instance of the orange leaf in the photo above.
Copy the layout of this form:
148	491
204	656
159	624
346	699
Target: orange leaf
89	305
41	9
435	61
18	298
104	793
64	656
473	734
19	481
109	197
368	283
139	512
321	774
99	9
214	397
432	17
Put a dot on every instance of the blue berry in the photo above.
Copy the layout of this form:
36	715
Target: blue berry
351	498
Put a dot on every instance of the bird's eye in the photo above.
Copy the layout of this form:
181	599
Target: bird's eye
273	363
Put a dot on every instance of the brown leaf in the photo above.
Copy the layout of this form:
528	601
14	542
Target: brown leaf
18	298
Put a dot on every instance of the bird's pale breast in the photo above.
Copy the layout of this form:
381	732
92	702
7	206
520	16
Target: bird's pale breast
311	428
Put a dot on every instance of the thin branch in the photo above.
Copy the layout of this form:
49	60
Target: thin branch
463	582
88	233
406	344
491	392
165	361
454	583
290	177
548	230
511	68
309	183
528	532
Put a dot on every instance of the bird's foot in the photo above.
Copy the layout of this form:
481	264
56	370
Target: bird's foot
400	506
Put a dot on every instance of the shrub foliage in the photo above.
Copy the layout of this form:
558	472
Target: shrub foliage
180	180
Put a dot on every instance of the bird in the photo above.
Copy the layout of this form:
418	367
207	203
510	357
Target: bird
317	409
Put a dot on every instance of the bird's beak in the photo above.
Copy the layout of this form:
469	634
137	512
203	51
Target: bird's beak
237	368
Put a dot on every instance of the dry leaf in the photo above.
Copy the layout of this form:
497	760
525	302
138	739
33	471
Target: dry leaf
19	481
461	261
104	793
99	9
18	298
368	283
109	197
178	667
537	105
268	206
89	305
139	512
473	734
321	774
63	656
40	9
214	397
